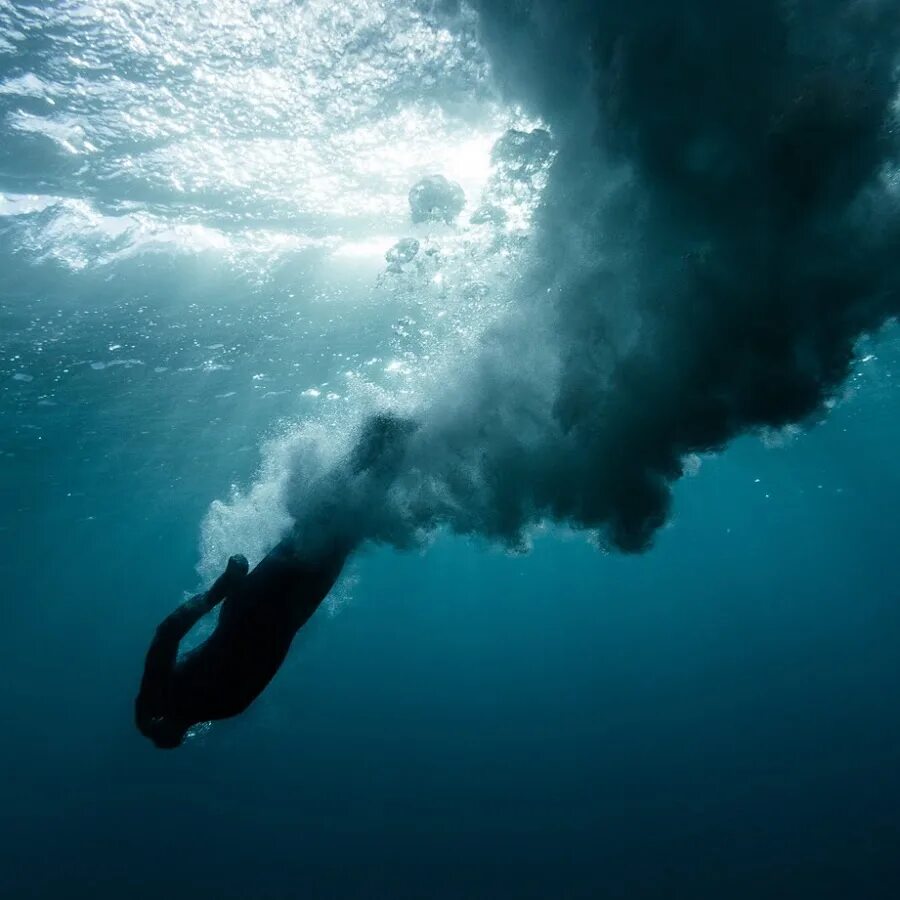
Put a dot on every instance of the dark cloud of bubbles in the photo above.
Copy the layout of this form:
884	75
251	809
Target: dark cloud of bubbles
721	224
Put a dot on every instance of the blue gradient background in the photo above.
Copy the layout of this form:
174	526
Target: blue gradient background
716	718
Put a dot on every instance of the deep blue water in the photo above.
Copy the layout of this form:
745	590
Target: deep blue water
714	718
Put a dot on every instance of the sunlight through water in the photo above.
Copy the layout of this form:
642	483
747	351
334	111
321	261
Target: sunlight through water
262	154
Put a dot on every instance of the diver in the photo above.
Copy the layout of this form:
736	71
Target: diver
261	610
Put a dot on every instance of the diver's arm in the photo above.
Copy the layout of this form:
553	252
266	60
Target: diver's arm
163	650
178	623
160	662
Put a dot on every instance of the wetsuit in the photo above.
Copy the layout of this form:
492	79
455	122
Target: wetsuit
261	612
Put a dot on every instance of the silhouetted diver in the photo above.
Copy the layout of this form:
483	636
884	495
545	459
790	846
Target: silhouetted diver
261	613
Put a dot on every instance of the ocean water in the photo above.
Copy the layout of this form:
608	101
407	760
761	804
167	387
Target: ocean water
196	203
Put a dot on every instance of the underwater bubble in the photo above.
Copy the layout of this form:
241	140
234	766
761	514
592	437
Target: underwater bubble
489	213
403	251
435	199
522	154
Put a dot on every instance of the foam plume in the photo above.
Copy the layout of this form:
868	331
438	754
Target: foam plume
720	225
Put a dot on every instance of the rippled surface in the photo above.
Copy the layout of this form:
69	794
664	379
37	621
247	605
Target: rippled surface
237	126
305	112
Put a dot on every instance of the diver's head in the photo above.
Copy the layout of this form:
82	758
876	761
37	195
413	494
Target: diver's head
166	734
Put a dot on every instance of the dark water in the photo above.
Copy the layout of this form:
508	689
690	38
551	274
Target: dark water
714	718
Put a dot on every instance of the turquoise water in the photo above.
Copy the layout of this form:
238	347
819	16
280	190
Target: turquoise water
196	205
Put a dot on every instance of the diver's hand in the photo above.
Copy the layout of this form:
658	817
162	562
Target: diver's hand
234	573
237	567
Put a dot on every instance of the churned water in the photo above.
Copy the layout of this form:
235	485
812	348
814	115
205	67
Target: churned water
624	619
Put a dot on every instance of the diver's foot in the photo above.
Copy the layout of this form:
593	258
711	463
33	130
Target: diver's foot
237	566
